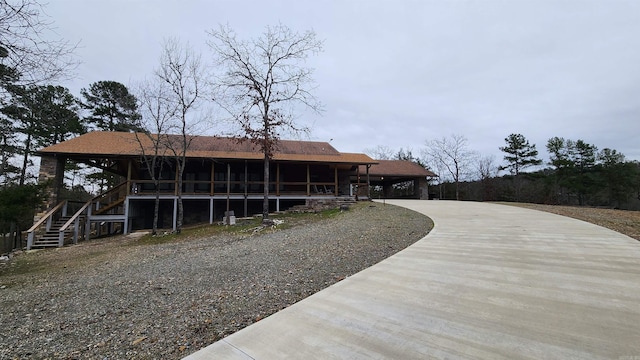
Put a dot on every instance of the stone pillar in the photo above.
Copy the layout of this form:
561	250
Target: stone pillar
51	175
421	187
387	190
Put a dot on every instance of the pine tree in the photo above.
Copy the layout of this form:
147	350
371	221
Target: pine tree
520	154
112	107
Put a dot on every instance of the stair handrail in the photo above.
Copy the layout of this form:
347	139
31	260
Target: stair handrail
74	219
37	224
115	189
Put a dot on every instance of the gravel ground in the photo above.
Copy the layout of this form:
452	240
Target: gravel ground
131	298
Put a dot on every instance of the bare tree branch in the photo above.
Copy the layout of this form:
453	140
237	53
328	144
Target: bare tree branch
182	72
28	43
453	155
261	82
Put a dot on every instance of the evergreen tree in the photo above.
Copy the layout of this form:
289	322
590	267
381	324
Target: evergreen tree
17	207
620	177
574	163
112	107
584	160
42	115
519	154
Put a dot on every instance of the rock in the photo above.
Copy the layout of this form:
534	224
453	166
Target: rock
138	340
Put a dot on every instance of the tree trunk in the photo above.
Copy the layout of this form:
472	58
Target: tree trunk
265	202
25	160
181	164
156	207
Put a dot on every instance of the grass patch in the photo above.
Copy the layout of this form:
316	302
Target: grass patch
243	226
58	260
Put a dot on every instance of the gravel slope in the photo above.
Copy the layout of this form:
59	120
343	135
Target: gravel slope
120	298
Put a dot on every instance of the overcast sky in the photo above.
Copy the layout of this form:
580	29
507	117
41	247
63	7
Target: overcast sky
397	73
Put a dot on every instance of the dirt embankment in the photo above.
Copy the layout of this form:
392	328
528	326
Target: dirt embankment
622	221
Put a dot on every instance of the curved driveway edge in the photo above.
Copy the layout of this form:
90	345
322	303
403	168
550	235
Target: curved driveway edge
490	281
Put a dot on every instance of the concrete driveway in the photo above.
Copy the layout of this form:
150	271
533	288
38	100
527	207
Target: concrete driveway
489	282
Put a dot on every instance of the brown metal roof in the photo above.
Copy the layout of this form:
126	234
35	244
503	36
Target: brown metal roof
397	168
113	144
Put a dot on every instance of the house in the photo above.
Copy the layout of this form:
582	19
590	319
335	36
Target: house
221	174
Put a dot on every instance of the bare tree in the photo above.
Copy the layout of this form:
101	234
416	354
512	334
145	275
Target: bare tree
486	170
486	167
380	152
453	154
182	72
440	171
28	43
158	113
262	81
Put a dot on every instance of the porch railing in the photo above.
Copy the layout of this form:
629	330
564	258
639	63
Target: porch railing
201	187
76	219
109	200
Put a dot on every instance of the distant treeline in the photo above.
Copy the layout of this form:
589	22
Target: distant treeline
577	174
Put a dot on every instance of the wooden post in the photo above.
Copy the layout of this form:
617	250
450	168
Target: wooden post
125	226
175	214
357	182
368	183
308	181
87	223
278	179
335	180
228	188
211	210
128	190
246	188
213	176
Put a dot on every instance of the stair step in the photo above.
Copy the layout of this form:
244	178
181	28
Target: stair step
43	245
40	241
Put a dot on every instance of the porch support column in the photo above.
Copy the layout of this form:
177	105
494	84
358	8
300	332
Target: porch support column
175	181
128	178
278	179
213	164
211	210
357	182
246	187
335	180
125	226
175	214
87	223
368	183
308	181
228	187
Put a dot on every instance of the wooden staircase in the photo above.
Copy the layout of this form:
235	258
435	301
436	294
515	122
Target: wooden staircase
56	227
51	237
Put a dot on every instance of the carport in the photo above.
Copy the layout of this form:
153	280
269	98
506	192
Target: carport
398	179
